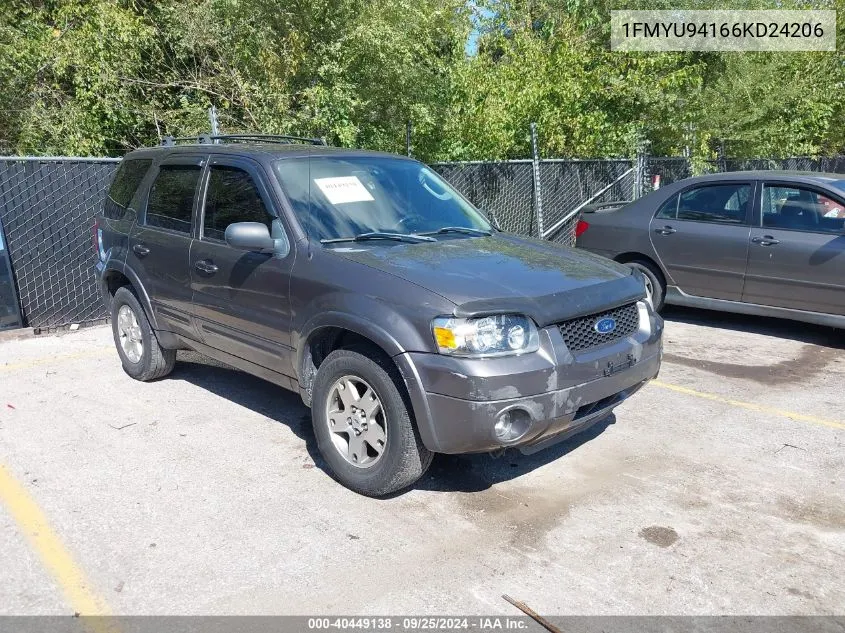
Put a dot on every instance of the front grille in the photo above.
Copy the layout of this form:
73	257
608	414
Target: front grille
581	333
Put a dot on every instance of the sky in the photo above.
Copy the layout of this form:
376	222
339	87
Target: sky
472	41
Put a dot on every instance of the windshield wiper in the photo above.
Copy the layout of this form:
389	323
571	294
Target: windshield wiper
459	229
378	235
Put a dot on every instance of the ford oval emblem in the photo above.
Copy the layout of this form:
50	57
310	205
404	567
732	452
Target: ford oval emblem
605	325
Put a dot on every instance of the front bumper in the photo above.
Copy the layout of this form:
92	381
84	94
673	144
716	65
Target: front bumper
554	393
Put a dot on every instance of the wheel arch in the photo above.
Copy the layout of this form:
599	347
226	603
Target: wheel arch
117	275
329	331
633	256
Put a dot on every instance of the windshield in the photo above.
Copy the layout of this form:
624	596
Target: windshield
344	197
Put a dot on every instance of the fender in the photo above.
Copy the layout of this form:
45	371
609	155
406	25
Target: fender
369	328
352	322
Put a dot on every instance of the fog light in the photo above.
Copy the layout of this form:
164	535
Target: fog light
503	426
511	425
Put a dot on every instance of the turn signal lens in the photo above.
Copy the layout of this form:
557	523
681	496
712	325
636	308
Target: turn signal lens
445	338
496	335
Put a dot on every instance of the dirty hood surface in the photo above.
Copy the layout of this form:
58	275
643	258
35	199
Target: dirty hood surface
506	273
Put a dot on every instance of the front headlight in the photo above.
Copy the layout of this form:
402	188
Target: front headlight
498	335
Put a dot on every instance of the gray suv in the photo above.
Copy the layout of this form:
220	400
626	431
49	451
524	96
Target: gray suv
408	323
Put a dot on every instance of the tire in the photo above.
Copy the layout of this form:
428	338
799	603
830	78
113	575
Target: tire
655	279
153	361
403	458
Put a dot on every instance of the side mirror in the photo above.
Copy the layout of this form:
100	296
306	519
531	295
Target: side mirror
249	236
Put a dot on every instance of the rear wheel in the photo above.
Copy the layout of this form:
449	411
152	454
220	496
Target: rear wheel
140	353
654	284
363	424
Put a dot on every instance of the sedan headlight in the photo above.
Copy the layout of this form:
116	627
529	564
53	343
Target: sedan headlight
498	335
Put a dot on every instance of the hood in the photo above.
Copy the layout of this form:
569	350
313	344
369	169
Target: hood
506	273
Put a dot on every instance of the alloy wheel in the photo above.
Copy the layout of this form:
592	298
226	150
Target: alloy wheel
357	421
129	332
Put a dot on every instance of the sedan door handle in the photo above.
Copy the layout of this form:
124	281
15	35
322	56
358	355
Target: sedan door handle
141	250
766	240
205	266
666	230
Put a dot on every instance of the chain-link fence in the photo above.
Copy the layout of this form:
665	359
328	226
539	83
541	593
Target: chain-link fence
47	209
508	191
661	171
829	164
567	186
503	189
664	171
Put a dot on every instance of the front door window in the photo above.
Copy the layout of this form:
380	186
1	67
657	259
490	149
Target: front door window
801	209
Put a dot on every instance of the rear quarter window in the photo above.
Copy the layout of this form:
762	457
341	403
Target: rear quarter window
669	209
129	175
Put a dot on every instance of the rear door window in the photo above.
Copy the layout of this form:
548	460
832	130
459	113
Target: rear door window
724	204
129	175
171	201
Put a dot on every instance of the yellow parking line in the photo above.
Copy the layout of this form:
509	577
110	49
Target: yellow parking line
760	408
35	362
34	525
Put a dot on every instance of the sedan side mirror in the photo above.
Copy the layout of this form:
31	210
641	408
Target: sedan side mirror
249	236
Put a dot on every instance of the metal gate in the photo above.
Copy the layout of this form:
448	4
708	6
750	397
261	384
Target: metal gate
10	311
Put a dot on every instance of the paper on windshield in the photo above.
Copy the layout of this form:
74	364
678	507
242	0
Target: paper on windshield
343	189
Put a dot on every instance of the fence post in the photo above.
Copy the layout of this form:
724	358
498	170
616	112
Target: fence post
639	174
641	170
721	156
538	197
408	138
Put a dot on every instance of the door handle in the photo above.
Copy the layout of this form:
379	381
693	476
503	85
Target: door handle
141	250
666	230
766	240
205	266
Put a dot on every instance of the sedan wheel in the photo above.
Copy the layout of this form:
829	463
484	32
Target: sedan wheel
649	290
654	285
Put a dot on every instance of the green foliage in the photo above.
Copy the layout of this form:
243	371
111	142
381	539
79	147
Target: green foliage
103	76
550	61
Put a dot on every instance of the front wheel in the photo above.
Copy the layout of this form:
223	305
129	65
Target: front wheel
140	353
363	424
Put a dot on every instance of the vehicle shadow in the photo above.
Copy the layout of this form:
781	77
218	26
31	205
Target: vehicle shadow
769	326
448	473
478	472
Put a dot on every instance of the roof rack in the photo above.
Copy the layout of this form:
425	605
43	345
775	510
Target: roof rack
214	139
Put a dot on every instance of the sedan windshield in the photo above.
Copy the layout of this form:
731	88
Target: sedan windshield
336	198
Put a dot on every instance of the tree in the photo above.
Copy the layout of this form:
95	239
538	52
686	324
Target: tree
538	61
104	76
